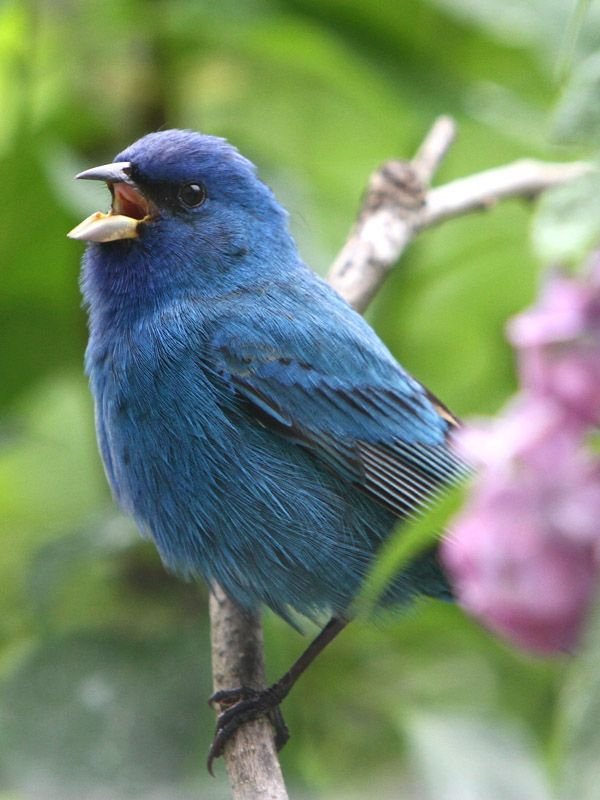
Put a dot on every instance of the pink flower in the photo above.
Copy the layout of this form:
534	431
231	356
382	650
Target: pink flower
524	554
535	591
532	430
559	345
566	309
568	373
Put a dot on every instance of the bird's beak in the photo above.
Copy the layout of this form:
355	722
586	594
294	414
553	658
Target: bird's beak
113	173
129	206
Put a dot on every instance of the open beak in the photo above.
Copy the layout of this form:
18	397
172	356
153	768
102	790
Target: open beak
129	206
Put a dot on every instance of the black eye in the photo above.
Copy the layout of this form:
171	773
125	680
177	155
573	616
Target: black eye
192	194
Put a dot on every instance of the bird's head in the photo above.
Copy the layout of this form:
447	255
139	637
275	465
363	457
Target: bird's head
187	195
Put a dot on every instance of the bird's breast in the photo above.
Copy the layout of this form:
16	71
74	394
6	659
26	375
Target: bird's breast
161	420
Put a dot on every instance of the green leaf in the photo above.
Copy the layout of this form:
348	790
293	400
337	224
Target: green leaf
576	119
578	731
475	759
572	36
407	541
567	224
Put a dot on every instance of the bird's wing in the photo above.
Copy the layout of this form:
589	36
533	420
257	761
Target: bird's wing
330	385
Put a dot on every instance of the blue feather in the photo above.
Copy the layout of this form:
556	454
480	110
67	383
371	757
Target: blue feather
252	423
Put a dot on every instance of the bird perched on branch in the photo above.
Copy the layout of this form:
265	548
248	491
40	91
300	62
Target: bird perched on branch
251	421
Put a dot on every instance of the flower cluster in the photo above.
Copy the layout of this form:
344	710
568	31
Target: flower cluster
524	554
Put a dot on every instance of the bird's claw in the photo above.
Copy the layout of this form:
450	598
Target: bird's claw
240	706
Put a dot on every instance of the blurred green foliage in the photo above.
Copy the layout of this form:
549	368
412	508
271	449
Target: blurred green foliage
104	665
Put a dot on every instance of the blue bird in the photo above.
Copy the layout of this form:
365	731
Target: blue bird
249	419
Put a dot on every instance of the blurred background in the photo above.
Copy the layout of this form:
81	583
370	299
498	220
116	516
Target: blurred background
104	659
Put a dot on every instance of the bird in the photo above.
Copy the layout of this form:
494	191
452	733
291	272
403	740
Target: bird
250	421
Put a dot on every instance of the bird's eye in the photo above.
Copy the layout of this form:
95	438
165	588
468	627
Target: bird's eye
192	194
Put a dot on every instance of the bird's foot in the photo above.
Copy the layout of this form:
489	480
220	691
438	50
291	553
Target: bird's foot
241	705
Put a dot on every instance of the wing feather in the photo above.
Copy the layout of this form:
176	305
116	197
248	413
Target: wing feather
359	431
345	398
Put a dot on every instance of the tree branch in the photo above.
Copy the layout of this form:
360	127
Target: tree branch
397	205
391	214
525	178
237	660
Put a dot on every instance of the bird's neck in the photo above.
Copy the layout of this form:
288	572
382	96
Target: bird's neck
126	281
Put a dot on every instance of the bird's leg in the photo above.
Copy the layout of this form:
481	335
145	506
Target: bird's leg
244	704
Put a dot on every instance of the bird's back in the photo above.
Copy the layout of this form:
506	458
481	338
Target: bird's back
268	441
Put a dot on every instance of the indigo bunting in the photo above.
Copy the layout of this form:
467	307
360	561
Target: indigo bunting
249	419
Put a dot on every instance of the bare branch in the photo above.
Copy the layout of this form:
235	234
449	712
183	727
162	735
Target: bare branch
397	205
525	178
391	214
433	150
237	660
